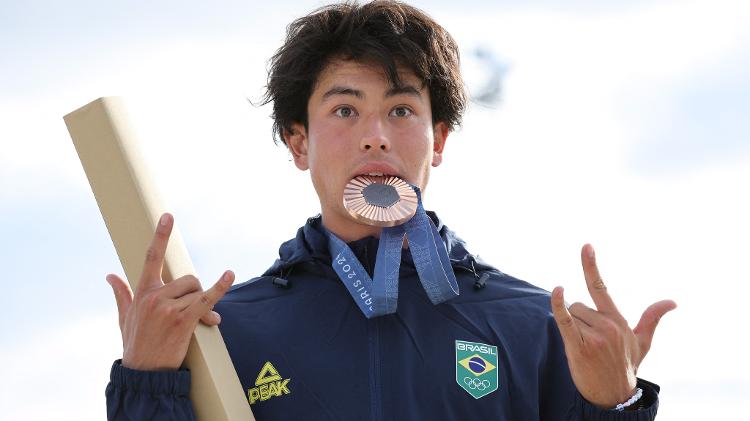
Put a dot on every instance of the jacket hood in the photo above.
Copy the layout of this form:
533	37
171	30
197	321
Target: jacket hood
311	246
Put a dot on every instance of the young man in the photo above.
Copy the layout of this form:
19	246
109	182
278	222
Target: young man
375	90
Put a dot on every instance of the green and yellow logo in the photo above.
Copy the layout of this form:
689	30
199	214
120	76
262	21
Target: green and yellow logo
268	384
476	368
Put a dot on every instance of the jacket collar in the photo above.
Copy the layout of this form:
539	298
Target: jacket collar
311	246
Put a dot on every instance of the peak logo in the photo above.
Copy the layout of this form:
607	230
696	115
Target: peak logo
268	384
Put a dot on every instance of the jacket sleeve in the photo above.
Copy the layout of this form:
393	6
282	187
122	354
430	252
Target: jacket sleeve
148	395
649	405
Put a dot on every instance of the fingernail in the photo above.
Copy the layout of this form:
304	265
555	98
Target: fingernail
217	316
164	220
591	251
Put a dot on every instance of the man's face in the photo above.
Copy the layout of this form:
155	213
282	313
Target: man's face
357	124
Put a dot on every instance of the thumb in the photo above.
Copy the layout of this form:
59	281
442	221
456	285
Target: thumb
646	327
123	295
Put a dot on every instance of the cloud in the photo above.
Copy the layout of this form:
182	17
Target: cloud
62	371
692	123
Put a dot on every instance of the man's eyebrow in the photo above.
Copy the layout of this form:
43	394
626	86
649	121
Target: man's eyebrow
403	90
343	90
396	90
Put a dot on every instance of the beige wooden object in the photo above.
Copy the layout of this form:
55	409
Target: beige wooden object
130	204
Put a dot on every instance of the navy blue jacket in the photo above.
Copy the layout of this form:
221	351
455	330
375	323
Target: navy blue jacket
302	348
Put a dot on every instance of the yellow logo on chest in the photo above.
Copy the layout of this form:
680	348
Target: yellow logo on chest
268	384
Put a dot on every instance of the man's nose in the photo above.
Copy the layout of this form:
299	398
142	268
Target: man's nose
375	136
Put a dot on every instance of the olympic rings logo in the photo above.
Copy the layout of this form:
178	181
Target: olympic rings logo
476	383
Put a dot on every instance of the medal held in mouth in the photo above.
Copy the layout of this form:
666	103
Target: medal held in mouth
392	203
382	201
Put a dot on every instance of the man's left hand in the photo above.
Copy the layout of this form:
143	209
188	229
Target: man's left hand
603	352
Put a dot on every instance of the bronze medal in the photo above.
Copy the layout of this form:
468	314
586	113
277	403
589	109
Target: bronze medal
382	201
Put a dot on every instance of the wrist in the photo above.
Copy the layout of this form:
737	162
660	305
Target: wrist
633	403
626	395
609	397
145	365
645	408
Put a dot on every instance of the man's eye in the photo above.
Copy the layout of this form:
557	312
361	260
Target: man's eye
401	112
344	112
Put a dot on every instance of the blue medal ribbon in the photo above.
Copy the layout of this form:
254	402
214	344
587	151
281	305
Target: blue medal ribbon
380	296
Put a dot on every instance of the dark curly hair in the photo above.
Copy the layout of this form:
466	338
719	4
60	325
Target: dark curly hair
384	32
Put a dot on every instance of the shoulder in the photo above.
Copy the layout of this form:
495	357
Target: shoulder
505	302
491	287
277	291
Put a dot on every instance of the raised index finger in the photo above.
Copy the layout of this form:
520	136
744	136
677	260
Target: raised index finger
155	254
595	283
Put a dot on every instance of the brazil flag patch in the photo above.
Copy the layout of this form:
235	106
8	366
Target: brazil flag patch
476	368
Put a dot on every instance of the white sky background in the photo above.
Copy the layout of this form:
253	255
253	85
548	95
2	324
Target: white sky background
624	125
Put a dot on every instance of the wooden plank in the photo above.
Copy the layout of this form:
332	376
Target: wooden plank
130	205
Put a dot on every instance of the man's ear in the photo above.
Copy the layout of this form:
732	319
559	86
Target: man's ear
296	142
440	134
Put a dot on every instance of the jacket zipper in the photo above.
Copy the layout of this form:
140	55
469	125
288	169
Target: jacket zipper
375	395
373	340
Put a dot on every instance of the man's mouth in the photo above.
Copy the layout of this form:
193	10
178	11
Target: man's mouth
378	177
376	169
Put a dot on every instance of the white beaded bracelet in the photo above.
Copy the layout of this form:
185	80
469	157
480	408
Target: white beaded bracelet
634	399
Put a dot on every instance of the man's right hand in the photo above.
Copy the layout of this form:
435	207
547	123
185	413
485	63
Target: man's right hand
158	321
